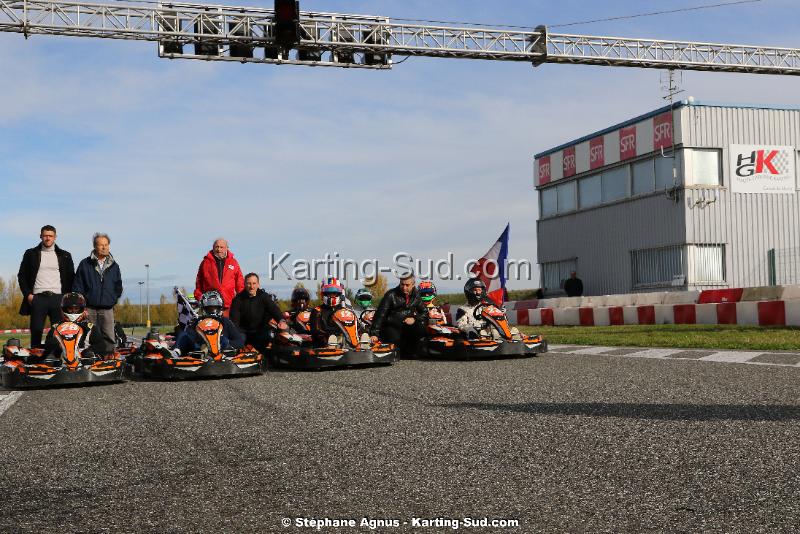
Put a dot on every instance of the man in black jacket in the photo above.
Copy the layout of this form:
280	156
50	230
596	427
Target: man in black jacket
99	280
573	287
399	318
252	310
45	273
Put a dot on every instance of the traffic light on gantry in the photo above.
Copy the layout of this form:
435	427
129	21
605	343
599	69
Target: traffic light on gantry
287	23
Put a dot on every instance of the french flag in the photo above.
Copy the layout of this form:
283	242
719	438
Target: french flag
488	266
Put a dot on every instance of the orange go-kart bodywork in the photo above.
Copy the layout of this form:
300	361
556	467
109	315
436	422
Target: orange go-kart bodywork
32	368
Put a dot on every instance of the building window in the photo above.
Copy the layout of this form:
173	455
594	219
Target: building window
549	199
555	273
590	191
566	197
644	177
664	166
657	267
706	264
705	166
615	183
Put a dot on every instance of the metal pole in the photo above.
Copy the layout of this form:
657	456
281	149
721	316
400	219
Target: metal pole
141	306
147	266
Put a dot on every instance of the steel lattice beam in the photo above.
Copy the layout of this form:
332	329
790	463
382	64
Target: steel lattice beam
361	41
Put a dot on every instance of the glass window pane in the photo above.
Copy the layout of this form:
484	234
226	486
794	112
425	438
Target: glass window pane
657	266
644	177
555	273
590	191
707	264
705	167
549	201
664	178
615	184
566	197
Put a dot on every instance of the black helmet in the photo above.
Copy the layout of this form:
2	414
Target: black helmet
73	306
211	303
469	290
300	293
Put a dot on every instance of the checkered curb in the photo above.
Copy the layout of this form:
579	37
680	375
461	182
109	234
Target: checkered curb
775	358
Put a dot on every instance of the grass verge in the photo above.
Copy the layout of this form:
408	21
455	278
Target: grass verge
674	336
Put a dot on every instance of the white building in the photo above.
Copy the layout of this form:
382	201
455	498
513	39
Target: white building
696	196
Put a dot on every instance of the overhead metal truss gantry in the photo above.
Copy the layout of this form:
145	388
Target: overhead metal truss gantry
245	34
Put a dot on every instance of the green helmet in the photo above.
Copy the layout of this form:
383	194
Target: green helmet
427	291
364	298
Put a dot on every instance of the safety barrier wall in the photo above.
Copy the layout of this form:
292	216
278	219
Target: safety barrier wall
756	306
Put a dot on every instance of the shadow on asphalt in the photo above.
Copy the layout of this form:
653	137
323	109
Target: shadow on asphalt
669	412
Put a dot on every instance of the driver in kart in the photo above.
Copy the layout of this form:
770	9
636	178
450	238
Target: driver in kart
475	291
73	309
427	294
365	310
211	305
323	327
299	303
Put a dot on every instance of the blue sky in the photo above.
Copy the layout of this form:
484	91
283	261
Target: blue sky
433	156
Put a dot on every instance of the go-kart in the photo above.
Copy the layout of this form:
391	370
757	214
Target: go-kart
497	339
35	368
156	358
295	348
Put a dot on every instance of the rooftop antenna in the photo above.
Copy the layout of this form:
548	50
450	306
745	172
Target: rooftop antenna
671	87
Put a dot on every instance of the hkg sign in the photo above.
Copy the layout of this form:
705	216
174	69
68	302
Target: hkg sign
762	169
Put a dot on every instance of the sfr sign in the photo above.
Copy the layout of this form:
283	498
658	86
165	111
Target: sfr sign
597	150
569	162
544	170
662	131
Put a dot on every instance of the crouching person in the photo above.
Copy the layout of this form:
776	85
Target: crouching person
400	318
252	310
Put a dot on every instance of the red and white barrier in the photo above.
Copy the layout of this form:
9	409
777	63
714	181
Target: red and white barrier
760	306
766	313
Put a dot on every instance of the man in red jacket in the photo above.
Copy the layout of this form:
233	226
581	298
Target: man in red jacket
219	270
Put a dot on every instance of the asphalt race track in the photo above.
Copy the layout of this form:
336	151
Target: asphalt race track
559	443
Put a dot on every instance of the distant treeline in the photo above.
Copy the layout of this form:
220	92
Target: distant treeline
165	311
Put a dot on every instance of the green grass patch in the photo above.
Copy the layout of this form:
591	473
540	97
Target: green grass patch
674	336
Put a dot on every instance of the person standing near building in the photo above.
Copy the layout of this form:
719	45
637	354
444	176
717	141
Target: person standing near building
574	285
219	271
45	274
99	280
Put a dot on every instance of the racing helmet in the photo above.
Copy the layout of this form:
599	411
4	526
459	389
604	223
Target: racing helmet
364	298
298	294
73	307
470	290
427	291
332	292
211	303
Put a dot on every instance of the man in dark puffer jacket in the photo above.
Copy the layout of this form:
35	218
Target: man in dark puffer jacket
99	280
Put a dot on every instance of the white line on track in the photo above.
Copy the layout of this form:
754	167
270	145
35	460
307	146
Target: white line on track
6	401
